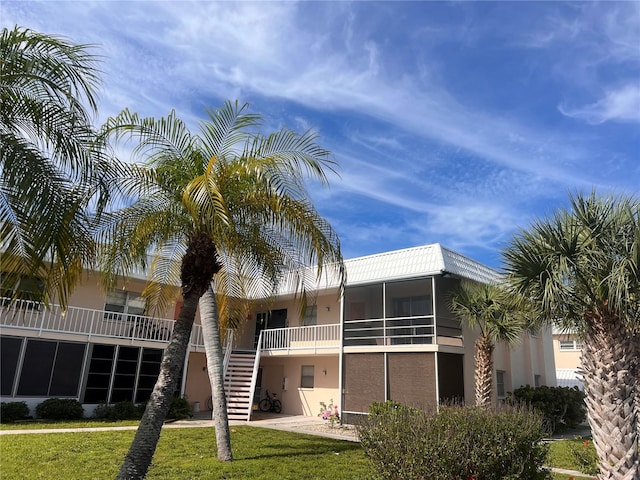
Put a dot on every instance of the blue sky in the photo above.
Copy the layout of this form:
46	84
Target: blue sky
452	122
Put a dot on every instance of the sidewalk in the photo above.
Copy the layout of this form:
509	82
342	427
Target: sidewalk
296	423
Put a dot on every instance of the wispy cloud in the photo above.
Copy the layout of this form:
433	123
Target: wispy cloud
622	105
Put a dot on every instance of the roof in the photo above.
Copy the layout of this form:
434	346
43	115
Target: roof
425	260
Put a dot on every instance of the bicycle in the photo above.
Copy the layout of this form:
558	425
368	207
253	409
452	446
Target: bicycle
270	403
147	329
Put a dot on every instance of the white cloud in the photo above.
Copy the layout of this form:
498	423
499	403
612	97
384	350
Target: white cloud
621	105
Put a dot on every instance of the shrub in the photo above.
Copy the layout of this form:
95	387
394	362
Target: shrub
60	409
103	411
562	407
12	411
179	408
119	411
457	442
584	454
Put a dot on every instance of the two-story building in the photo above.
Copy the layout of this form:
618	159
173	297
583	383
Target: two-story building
390	336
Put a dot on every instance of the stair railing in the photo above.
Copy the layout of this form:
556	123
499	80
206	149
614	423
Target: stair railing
254	377
228	347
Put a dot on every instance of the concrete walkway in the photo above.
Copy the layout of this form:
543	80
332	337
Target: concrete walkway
296	423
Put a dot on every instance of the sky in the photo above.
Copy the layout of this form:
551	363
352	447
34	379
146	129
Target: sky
452	122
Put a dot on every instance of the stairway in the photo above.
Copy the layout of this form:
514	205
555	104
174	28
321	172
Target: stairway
237	384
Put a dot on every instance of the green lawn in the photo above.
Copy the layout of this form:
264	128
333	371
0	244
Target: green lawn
189	453
183	454
85	423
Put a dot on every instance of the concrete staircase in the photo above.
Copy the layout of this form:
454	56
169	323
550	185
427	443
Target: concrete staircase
237	384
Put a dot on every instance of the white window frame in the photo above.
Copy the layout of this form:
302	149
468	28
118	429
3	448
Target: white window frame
569	345
127	308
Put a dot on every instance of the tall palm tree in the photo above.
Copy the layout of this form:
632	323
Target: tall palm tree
48	89
225	201
582	267
492	311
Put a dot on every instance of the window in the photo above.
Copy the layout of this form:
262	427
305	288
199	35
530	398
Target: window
51	369
500	383
120	304
26	288
537	380
571	345
306	380
310	316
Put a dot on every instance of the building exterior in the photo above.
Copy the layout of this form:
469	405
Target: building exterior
566	350
389	337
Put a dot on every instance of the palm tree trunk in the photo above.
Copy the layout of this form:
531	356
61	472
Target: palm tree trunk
610	382
484	371
213	350
138	458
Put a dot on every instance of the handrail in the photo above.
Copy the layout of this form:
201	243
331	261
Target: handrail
35	316
228	347
254	376
314	337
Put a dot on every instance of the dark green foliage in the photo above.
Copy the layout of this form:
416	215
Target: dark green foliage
119	411
562	407
179	408
60	409
12	411
456	443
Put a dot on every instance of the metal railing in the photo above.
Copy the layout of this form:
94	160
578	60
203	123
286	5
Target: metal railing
35	316
316	337
413	330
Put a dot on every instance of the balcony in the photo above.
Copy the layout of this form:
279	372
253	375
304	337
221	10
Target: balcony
403	331
29	318
311	340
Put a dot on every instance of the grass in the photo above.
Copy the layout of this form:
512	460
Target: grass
86	423
184	453
189	453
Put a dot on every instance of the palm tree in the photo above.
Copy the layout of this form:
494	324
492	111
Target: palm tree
47	96
227	200
582	267
494	312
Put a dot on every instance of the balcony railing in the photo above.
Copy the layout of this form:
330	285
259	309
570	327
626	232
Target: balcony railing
34	316
316	337
414	330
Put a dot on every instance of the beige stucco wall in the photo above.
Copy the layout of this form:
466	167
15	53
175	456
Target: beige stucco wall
198	388
90	294
297	400
565	358
328	312
532	355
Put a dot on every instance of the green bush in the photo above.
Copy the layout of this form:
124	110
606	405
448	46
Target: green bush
119	411
12	411
60	409
584	454
179	408
455	443
562	407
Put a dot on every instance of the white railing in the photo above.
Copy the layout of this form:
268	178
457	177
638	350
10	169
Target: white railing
314	337
34	316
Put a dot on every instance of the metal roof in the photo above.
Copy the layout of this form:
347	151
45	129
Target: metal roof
425	260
